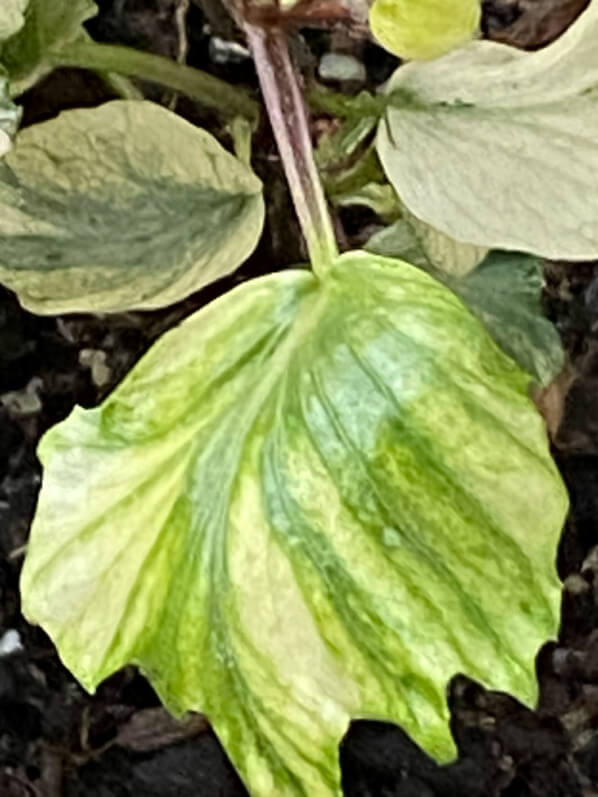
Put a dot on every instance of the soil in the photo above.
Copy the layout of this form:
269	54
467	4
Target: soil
56	740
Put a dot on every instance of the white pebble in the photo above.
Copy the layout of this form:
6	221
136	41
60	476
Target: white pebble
10	642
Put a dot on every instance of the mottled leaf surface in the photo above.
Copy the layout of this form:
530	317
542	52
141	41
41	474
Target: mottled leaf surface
497	147
119	207
504	292
313	500
422	29
48	24
11	17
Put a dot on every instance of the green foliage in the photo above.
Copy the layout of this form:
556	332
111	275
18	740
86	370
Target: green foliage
123	206
422	29
48	24
378	197
305	504
495	146
503	292
320	496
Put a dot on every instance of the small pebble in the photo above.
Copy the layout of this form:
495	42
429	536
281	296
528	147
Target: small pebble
95	359
341	67
227	52
10	642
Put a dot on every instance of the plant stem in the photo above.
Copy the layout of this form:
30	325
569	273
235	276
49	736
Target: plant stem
207	89
364	104
288	117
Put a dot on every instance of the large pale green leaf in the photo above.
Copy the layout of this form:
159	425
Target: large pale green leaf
11	17
311	501
9	116
504	292
424	28
122	206
497	147
48	24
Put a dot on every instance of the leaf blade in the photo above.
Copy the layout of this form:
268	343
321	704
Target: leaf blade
504	292
487	140
122	206
422	29
278	530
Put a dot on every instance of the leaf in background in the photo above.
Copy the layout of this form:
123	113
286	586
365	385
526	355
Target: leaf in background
503	292
423	29
412	239
11	17
380	198
312	500
496	146
119	207
48	25
10	116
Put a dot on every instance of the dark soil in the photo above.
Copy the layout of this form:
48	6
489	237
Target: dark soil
54	738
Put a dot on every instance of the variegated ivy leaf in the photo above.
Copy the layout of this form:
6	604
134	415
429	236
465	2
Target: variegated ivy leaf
9	116
313	500
504	292
11	17
496	146
48	24
423	29
119	207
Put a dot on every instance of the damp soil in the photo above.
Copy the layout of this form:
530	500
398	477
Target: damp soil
58	741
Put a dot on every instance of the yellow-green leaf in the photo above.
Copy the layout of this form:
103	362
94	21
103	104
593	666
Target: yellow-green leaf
504	292
313	500
423	29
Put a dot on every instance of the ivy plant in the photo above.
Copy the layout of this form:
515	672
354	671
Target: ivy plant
328	491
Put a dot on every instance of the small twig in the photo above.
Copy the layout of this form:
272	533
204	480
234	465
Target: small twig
17	552
31	788
180	21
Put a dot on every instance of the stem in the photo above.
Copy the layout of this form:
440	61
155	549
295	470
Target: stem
288	117
207	89
364	104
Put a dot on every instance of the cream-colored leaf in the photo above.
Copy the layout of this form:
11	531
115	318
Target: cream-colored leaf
119	207
497	147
